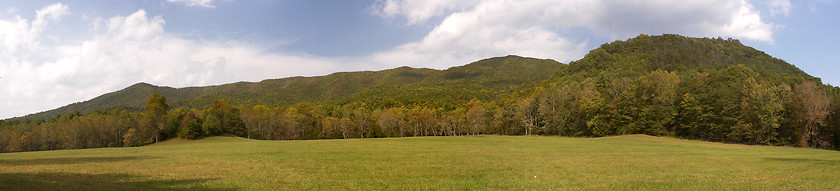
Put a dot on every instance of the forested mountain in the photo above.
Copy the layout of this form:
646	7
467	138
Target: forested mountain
677	54
699	88
485	80
709	89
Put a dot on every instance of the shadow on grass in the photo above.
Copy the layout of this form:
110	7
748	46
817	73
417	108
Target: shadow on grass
70	160
78	181
805	160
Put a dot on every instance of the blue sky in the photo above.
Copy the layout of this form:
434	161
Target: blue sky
53	53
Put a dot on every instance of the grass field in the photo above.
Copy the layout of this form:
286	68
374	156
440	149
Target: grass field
634	162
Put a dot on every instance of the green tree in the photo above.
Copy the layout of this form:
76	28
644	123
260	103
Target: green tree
557	108
658	94
191	127
834	117
173	122
212	125
229	119
762	108
156	110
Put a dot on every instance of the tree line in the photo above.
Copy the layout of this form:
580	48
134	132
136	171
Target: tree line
661	103
694	88
120	128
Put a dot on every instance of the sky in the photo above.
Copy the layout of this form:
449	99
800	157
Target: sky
53	53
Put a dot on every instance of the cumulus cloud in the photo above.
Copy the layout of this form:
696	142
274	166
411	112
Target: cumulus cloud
126	50
486	30
20	42
18	34
472	30
196	3
614	19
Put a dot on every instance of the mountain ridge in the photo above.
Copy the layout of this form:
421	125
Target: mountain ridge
338	87
709	89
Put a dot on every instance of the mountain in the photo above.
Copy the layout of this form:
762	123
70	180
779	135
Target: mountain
675	53
711	89
485	80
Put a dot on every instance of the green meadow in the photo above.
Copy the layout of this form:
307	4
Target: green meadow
632	162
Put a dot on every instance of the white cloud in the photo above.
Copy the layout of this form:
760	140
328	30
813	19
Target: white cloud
18	33
486	30
615	19
418	11
196	3
779	7
20	41
746	23
52	12
472	30
127	50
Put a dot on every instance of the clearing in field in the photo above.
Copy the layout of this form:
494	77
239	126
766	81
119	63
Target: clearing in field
426	163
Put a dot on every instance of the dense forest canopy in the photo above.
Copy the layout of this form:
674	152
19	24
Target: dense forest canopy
697	88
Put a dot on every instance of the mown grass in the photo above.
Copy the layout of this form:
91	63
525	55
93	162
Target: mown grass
634	162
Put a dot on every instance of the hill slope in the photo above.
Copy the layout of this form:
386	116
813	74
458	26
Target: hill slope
487	79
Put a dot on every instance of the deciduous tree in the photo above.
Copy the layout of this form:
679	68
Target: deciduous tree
813	109
156	110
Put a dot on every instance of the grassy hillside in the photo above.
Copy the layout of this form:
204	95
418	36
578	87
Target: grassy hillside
487	79
631	162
